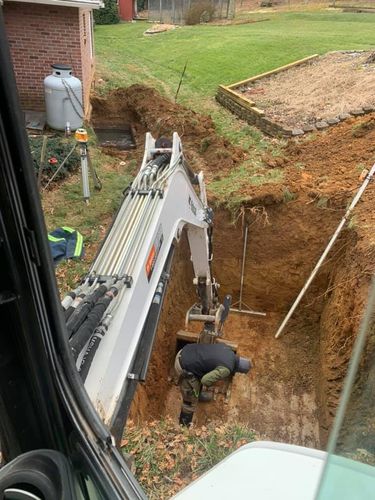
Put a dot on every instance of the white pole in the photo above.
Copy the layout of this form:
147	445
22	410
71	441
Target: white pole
328	248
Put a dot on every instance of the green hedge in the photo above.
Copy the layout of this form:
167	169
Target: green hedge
108	14
57	147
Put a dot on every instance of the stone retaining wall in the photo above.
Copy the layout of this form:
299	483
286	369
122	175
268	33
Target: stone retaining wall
246	110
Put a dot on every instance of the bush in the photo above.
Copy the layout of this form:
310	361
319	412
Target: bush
57	149
199	12
108	14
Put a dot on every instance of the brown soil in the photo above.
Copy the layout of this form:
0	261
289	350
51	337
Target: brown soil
292	392
148	111
324	88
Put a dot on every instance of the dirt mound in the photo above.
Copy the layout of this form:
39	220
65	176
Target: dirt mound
147	110
329	169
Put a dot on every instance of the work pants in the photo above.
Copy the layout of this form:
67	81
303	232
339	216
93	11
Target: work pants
190	387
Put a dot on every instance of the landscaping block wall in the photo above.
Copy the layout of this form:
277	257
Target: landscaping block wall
40	35
246	110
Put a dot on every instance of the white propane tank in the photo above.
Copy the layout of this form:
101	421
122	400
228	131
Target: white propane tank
63	96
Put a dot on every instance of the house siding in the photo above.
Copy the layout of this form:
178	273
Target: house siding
40	35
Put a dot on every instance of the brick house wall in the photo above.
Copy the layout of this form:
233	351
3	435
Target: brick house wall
40	35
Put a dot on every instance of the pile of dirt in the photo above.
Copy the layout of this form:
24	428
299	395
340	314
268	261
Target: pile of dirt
329	169
324	88
148	111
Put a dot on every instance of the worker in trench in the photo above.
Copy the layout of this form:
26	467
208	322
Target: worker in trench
201	365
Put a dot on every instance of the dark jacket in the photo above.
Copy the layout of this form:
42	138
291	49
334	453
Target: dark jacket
200	359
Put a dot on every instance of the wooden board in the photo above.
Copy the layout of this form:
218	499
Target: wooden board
186	336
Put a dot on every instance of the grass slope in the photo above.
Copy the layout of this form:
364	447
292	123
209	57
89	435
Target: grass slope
222	54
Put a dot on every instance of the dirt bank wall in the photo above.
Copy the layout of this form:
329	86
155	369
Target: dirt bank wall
346	298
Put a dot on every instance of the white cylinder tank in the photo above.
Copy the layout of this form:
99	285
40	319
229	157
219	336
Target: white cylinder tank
63	96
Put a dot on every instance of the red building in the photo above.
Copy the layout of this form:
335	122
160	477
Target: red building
127	9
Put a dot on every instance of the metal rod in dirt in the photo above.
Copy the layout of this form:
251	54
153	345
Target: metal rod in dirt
250	311
243	265
328	248
180	82
240	310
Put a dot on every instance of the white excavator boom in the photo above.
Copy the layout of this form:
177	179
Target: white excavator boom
130	274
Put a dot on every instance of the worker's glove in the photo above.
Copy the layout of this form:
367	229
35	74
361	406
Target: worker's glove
186	374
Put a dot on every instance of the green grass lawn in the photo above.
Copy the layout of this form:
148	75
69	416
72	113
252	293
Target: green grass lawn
222	54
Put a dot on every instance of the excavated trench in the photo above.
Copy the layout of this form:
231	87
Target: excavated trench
293	390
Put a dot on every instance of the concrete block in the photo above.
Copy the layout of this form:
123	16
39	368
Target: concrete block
357	112
368	109
287	132
333	121
344	116
297	131
308	128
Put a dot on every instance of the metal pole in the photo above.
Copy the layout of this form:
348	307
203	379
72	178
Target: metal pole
42	160
85	173
248	310
179	84
328	248
243	266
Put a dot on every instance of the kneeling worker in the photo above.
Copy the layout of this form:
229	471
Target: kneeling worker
204	364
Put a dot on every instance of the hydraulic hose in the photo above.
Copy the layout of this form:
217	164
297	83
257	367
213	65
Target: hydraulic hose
70	310
92	348
80	314
82	335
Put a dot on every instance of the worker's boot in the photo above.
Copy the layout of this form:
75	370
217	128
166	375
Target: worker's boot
187	412
185	418
205	397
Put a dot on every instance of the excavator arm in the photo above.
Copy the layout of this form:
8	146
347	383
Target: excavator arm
112	316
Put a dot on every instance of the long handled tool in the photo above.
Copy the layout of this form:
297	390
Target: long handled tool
242	307
180	82
328	248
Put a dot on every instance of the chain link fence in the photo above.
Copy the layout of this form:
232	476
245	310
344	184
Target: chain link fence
185	11
345	4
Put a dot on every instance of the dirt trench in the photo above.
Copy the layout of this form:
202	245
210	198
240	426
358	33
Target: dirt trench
292	393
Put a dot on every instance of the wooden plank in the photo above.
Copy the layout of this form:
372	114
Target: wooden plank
193	337
187	336
268	73
244	101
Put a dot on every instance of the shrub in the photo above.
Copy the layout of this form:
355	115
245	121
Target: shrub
57	149
199	12
108	14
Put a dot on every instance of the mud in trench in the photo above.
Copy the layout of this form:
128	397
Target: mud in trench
292	391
